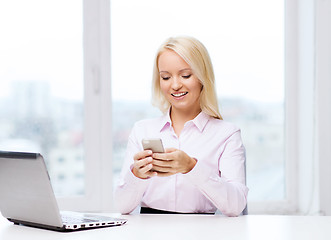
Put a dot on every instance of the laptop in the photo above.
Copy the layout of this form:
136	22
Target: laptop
27	197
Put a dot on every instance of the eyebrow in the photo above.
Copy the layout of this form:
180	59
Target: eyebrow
185	69
182	70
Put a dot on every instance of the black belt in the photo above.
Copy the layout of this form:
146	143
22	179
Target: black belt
146	210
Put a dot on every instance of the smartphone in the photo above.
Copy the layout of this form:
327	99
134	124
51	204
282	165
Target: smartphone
154	144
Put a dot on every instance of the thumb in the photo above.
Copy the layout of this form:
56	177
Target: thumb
170	150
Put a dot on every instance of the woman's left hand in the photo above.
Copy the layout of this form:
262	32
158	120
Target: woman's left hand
171	162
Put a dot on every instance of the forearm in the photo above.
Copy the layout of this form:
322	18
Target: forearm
230	197
129	192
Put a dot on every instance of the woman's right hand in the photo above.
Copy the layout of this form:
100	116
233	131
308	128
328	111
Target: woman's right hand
143	164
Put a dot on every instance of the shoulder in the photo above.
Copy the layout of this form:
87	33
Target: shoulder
147	128
223	126
224	132
150	125
150	122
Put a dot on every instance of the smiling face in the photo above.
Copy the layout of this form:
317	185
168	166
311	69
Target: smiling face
178	83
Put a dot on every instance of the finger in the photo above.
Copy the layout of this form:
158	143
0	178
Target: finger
162	169
162	156
164	174
142	154
144	172
162	163
166	155
143	162
146	168
169	150
151	174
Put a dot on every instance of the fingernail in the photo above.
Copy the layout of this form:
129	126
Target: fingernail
150	152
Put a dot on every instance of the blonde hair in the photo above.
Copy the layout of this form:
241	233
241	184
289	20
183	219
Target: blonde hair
196	55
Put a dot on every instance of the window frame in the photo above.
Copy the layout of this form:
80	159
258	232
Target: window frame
289	204
300	96
323	109
308	114
97	111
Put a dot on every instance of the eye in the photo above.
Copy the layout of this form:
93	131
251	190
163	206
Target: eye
165	78
187	76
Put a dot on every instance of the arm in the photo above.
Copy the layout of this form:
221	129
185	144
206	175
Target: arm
130	189
225	189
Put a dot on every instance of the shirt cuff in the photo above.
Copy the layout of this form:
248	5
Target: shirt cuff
200	174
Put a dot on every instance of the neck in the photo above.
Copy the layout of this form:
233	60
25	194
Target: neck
183	116
179	118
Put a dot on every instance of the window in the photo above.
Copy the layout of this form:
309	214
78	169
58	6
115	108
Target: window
42	86
51	97
246	42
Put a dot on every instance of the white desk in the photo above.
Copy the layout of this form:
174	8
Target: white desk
171	227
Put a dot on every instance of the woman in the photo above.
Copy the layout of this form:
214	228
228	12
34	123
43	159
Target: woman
203	167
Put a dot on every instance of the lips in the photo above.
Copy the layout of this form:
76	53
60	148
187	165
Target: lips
178	95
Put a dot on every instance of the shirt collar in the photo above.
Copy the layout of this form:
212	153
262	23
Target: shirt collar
200	121
166	121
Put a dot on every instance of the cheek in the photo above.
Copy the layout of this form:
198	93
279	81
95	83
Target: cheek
163	87
196	87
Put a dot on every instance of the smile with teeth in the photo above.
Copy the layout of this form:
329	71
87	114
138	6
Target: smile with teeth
179	94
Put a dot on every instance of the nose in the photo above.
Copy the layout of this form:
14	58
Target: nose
176	84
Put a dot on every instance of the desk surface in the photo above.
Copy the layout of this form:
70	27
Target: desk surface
171	227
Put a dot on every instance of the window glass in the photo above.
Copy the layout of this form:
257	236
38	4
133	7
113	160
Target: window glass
245	40
41	94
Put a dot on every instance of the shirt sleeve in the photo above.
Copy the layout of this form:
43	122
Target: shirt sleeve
129	189
226	189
